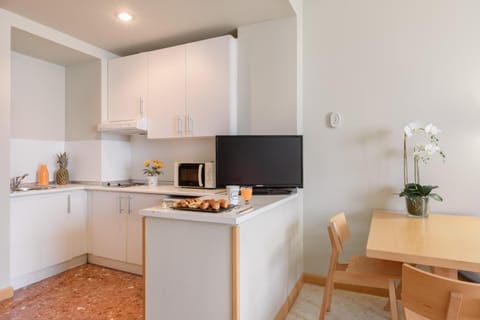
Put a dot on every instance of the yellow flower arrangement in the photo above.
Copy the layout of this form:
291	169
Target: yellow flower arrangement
152	167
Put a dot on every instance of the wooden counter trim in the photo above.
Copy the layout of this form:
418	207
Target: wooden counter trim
6	293
292	297
321	280
235	252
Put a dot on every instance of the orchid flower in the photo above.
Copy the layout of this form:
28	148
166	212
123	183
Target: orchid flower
420	151
411	128
432	130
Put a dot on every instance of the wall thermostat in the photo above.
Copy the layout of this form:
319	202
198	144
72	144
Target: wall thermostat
335	119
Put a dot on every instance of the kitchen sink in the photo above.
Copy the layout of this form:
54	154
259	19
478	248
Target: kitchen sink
31	188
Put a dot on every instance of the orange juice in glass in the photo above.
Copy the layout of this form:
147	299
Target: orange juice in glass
246	193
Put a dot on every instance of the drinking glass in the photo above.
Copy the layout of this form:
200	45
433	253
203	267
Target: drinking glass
246	193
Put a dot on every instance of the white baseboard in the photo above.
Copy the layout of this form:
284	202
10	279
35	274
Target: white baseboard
26	279
115	264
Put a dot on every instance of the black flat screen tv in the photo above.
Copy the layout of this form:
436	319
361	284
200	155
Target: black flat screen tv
261	161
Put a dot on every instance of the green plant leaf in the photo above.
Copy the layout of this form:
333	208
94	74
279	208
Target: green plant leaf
435	196
414	190
425	190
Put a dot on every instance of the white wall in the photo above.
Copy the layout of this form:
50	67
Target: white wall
267	77
168	151
116	160
37	115
4	148
297	6
383	64
38	99
83	101
84	163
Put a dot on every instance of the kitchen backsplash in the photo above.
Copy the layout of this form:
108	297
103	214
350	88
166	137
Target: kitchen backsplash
27	155
169	151
107	160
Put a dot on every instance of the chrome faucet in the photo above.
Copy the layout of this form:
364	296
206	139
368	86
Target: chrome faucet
15	182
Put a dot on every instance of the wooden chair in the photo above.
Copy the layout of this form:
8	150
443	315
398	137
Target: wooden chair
429	296
360	271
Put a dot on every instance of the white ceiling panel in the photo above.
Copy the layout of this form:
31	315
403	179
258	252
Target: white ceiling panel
156	23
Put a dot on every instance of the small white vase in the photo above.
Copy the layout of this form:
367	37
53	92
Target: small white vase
152	181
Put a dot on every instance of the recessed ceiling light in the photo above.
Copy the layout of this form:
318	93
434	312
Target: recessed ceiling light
124	16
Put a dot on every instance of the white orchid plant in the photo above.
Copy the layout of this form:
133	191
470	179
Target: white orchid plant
421	152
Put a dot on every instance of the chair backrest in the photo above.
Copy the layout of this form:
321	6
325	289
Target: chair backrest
436	297
338	231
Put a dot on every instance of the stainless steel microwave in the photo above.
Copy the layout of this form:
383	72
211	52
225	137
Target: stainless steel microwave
194	174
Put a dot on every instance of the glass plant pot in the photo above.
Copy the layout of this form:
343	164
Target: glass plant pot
417	207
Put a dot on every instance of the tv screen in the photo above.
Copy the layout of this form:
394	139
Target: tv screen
266	161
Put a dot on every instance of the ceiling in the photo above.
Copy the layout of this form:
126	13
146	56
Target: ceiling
41	48
156	23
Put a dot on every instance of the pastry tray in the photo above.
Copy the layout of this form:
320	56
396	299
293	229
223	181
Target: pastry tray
209	210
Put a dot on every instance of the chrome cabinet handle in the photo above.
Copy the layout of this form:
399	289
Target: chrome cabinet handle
142	103
130	205
69	204
179	126
189	122
121	208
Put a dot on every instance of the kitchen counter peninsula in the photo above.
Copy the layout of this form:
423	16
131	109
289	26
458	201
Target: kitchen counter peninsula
240	264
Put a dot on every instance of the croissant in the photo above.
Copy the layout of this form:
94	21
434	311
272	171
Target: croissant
215	205
204	205
223	203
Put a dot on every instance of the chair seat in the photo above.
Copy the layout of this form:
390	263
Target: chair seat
362	264
364	271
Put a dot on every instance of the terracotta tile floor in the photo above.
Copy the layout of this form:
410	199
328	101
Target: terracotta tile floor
91	292
86	292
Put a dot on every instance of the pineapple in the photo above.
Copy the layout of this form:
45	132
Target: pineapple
61	176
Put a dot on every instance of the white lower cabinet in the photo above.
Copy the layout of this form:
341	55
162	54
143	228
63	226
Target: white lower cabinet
45	230
116	227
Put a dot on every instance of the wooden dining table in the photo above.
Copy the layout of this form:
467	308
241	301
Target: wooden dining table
446	242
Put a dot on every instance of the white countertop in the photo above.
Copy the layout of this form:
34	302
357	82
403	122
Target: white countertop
165	190
53	189
235	216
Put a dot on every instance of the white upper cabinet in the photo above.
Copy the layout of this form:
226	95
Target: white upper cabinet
166	94
192	89
211	87
127	87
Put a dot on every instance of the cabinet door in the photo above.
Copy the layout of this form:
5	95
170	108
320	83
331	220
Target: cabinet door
166	92
109	224
210	84
38	237
135	227
127	87
77	223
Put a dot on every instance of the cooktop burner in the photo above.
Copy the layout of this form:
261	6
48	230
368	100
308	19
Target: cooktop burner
124	184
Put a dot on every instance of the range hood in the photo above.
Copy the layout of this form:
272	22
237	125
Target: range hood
127	127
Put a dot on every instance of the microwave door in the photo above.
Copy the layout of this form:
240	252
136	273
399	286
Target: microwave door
200	175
